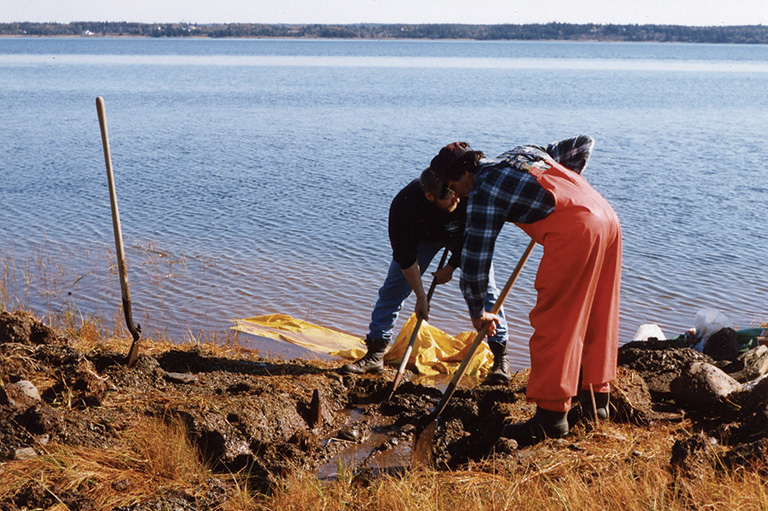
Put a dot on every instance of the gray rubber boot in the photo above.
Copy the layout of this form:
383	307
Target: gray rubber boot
500	374
372	362
544	424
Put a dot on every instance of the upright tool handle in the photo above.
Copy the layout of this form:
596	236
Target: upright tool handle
425	431
434	279
135	331
415	333
482	333
113	201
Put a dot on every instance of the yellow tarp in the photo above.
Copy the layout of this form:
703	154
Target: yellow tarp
434	351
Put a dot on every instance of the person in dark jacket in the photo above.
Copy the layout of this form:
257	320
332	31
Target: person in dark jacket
420	225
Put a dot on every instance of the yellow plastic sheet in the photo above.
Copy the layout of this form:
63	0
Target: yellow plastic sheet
283	327
434	351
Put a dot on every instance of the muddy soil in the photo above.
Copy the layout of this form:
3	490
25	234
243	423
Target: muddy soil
272	417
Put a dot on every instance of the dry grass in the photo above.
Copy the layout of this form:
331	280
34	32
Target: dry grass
5	270
618	467
152	455
479	491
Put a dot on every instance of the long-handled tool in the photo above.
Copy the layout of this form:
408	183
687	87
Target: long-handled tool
415	333
421	453
133	353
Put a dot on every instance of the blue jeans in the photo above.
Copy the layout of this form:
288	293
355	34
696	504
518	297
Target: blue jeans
396	289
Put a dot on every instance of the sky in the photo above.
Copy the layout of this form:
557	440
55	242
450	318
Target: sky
669	12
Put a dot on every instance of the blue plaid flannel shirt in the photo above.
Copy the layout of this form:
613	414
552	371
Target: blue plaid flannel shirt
504	191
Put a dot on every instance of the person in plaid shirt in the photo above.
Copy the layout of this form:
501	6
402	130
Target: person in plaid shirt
575	319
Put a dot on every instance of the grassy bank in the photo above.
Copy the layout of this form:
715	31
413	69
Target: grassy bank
153	464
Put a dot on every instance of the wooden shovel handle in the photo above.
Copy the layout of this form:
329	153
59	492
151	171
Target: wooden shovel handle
483	332
135	330
415	333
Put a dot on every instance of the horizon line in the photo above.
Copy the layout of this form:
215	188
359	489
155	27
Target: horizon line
384	23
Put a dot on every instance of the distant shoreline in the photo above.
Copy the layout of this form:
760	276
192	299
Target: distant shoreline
309	38
741	34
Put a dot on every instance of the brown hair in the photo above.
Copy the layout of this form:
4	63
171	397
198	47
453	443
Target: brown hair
466	163
430	182
455	159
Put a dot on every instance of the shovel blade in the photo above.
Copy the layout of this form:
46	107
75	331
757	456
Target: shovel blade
423	441
395	383
133	353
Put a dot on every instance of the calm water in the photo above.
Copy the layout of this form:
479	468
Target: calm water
254	176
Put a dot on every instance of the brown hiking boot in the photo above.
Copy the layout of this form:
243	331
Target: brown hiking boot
372	362
500	373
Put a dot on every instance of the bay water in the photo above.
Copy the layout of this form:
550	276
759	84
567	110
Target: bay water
255	176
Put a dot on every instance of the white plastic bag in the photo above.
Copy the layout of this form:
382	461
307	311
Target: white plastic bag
707	322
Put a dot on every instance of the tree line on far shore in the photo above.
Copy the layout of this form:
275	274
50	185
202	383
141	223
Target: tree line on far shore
744	34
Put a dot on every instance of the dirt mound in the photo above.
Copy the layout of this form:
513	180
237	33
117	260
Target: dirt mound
271	416
25	329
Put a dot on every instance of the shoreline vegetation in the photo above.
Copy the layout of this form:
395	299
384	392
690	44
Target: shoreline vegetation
94	434
737	34
210	425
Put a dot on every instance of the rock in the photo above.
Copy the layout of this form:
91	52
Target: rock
750	365
753	394
722	345
703	388
25	453
350	434
181	377
27	388
505	445
21	395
